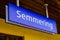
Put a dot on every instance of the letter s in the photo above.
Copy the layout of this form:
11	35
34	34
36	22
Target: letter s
18	12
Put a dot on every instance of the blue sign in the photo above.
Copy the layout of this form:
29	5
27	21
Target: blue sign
30	19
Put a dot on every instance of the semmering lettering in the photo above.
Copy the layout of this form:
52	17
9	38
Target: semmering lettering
33	19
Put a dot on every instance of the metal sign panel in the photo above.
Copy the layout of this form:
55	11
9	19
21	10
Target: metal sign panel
30	19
